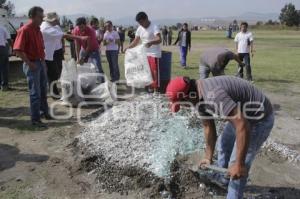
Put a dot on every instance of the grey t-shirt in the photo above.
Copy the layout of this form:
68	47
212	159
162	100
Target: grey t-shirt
224	93
216	58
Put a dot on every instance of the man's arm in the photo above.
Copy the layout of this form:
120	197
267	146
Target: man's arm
157	40
211	139
190	40
238	60
177	40
238	169
25	59
252	48
134	43
78	47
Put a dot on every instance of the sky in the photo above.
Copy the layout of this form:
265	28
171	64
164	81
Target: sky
156	9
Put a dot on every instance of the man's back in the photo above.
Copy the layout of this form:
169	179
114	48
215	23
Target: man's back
216	57
227	92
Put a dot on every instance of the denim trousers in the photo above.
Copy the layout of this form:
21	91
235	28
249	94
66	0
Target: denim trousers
183	55
112	58
37	83
226	146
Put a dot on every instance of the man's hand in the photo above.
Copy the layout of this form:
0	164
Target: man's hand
252	53
205	162
148	45
237	171
125	49
80	61
84	38
31	66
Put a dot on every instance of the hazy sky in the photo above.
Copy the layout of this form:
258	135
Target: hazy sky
156	9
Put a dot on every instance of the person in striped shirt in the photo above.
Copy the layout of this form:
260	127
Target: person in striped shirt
249	120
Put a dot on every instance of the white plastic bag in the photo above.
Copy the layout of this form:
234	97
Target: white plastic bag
105	92
137	69
68	81
87	76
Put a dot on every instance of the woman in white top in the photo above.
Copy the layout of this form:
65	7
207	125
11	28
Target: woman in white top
111	41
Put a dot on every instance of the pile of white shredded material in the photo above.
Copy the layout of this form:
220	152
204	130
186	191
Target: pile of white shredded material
143	133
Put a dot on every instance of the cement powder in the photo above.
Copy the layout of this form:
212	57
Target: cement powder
143	133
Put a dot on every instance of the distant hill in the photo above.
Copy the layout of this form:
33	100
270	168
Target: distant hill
251	17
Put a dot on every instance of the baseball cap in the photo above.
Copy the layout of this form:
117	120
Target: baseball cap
176	90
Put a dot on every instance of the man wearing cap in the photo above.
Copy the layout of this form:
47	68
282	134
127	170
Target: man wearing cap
29	46
52	36
214	60
249	115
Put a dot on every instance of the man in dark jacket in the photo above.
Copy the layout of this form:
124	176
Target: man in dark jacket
184	42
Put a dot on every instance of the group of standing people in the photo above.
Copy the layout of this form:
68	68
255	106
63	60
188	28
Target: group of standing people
40	45
167	34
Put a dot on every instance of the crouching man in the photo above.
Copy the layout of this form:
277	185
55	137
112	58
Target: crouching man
249	115
214	60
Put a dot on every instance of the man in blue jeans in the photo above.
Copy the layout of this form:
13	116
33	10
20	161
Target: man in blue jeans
250	119
184	43
87	49
29	46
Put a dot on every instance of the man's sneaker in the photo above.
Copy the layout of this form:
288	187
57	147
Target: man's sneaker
38	124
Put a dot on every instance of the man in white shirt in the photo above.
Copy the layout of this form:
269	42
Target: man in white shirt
4	54
149	35
244	45
52	36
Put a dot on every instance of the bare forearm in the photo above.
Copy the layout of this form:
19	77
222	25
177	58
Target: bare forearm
134	43
252	46
23	56
77	50
242	139
238	60
210	137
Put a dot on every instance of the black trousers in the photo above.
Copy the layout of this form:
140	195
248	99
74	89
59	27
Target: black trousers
58	57
245	57
4	65
53	75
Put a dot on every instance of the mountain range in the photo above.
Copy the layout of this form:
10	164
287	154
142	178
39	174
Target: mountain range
250	17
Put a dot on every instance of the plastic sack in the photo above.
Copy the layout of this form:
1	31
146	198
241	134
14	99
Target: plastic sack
105	92
87	76
68	81
137	69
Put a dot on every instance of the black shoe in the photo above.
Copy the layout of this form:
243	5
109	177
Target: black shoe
47	117
5	88
38	124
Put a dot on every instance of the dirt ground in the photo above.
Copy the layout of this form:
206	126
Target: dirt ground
47	164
